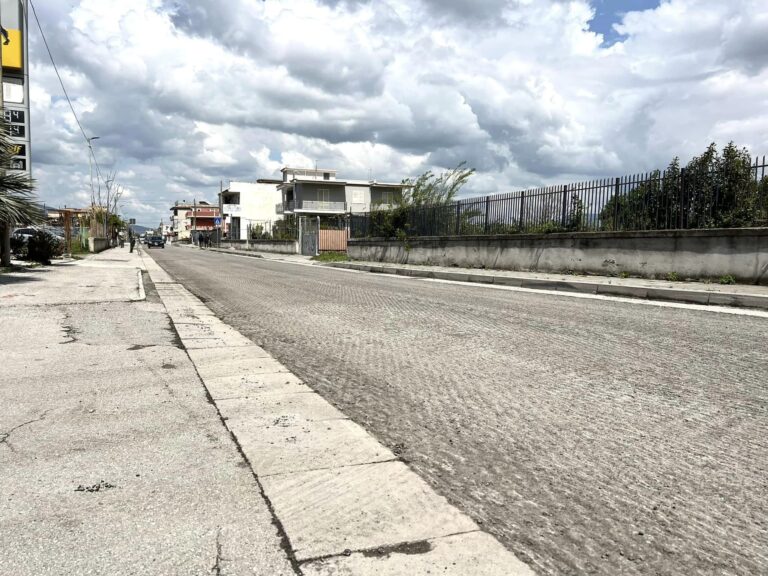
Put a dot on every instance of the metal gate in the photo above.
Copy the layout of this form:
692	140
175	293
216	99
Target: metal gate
309	232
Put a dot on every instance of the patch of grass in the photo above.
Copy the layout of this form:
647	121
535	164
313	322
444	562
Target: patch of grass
673	277
624	275
331	257
77	247
727	279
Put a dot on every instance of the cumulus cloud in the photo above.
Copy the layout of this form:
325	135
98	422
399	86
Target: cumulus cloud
187	93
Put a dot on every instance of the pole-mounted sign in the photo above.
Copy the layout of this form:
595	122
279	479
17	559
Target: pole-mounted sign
15	59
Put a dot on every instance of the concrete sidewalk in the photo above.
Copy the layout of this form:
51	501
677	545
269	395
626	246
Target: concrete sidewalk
112	459
741	295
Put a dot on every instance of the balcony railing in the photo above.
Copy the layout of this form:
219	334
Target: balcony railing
321	206
281	208
231	208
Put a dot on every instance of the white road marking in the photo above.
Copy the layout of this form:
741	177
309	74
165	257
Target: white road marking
637	301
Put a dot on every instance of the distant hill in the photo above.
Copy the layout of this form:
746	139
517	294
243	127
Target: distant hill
138	229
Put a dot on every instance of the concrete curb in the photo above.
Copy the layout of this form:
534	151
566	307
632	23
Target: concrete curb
578	286
142	292
225	251
344	502
238	252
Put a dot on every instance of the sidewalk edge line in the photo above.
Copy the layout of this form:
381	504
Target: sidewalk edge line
700	297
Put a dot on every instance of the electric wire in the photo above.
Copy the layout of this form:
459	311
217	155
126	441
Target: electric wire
66	94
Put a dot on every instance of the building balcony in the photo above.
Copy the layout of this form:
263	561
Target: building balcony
281	208
319	206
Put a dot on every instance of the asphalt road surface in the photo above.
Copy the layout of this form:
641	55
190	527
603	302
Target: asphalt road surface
589	436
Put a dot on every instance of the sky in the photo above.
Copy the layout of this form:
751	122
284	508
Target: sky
184	94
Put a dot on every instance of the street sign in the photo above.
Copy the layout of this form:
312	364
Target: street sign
217	221
132	221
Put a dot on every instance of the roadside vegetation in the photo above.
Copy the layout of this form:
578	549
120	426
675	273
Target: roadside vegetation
428	191
727	194
331	257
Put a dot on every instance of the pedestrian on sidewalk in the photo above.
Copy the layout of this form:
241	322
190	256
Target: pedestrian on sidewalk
132	241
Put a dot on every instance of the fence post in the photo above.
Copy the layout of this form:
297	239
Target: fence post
522	208
682	198
565	204
616	189
458	218
487	209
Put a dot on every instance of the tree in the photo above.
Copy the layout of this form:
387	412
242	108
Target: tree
17	201
431	189
713	191
426	206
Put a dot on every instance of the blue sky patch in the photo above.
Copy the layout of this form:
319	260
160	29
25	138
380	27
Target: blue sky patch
610	12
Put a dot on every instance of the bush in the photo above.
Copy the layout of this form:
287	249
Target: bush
727	279
18	247
43	246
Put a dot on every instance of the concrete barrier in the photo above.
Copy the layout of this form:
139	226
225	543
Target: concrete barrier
741	253
96	245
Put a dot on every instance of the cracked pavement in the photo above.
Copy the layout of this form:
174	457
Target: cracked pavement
112	459
590	437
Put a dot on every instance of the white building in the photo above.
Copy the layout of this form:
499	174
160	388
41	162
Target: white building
307	191
244	203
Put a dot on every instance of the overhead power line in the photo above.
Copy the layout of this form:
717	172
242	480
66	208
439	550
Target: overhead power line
64	90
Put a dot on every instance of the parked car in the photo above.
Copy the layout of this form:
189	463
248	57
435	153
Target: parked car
155	241
24	234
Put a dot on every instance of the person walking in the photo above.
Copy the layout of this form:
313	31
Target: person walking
132	241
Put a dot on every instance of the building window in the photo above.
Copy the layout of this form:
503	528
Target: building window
326	175
323	195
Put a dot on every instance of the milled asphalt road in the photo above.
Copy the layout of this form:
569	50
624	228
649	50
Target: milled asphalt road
591	437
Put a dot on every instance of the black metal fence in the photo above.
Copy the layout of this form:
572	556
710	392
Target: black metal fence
673	199
284	229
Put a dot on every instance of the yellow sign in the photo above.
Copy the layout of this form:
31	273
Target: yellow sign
12	51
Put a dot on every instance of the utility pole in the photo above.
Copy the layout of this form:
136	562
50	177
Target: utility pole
194	219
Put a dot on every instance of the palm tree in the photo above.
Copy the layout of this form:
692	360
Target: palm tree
17	200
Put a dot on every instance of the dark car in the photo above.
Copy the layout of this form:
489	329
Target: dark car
155	241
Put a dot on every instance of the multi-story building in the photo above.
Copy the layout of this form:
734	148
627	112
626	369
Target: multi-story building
318	192
187	219
248	203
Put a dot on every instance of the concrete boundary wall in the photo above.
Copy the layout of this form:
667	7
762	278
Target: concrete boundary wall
96	245
741	253
274	246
